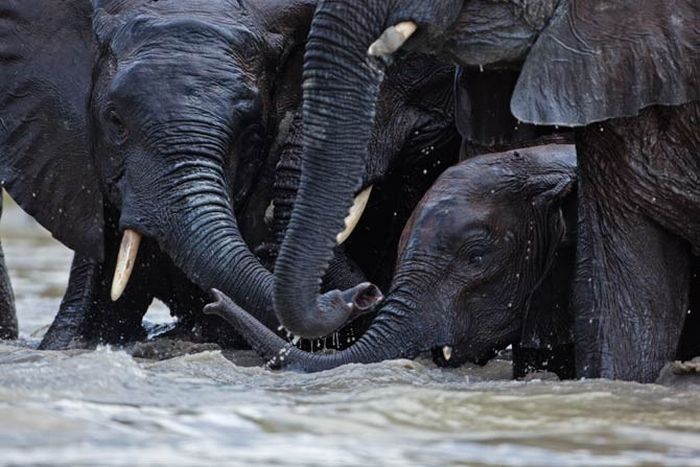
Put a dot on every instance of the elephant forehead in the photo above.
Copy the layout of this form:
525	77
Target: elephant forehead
150	81
476	180
452	212
177	31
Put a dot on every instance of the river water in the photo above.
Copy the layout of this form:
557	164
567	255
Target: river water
105	407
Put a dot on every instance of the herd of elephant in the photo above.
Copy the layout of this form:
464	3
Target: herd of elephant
379	177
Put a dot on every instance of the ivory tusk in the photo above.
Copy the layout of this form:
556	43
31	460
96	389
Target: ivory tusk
356	210
126	259
392	39
447	353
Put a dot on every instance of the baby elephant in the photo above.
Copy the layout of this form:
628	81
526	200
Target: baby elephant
484	262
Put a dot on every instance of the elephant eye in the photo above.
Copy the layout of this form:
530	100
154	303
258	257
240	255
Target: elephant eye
116	126
476	258
475	255
425	131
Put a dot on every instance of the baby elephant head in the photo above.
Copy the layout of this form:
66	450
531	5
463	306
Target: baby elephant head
476	247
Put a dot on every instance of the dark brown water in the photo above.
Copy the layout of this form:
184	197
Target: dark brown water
104	407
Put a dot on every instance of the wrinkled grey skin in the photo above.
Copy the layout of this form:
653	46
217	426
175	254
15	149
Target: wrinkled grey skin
484	262
8	316
581	62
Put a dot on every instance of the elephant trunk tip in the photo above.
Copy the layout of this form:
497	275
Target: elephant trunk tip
334	310
363	298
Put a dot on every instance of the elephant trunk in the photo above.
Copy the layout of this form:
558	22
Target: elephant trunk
392	335
186	206
341	84
205	242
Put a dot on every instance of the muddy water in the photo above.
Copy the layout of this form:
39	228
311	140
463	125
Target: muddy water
105	407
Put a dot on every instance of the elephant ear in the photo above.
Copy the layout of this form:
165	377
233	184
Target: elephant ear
601	59
47	53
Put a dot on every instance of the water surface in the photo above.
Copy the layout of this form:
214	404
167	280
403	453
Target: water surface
105	407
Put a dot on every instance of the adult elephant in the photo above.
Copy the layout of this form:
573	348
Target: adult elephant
147	121
632	67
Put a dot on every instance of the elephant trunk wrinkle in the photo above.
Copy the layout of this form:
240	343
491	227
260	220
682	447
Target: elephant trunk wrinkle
341	85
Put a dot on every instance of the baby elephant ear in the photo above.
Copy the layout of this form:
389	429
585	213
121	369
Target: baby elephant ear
46	58
602	59
550	173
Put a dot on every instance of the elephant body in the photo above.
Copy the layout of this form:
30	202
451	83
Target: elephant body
624	74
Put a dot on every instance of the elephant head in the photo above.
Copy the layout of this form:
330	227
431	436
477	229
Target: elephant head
576	57
146	107
476	248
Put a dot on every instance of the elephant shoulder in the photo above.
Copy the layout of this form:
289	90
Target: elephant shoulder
601	59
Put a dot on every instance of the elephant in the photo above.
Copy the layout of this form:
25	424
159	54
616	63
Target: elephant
623	74
486	260
136	132
8	315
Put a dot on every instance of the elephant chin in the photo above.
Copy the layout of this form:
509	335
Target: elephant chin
389	337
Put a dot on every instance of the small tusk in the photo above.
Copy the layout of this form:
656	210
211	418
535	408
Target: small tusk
126	259
392	39
447	353
295	340
356	210
269	213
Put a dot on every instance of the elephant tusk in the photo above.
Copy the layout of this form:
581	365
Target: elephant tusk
392	39
356	210
126	259
447	352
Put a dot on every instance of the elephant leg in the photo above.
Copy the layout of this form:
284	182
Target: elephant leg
67	328
121	321
88	316
8	315
631	294
689	346
633	265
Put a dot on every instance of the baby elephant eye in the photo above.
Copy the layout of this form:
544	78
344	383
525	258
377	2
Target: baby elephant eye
476	258
116	126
